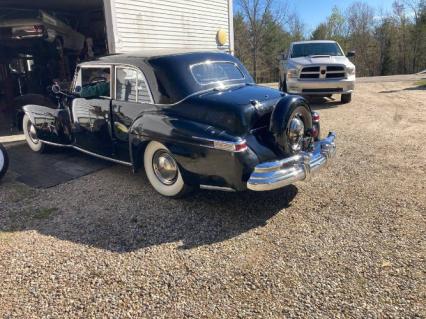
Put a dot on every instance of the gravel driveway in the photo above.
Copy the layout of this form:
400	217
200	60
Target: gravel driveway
349	243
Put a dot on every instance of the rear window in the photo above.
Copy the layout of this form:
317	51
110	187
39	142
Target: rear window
211	72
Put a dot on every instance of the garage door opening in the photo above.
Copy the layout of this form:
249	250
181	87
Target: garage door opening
40	43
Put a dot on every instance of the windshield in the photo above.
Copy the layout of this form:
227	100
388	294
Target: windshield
308	49
212	72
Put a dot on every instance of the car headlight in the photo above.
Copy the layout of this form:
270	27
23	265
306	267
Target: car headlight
350	70
291	73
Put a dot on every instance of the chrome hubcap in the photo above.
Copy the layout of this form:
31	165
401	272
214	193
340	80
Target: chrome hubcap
32	133
165	167
295	133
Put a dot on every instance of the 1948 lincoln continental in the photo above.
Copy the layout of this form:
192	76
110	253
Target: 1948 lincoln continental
190	119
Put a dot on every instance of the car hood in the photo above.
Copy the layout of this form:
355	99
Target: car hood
235	110
325	59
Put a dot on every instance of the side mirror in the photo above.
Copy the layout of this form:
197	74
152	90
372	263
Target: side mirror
56	89
350	54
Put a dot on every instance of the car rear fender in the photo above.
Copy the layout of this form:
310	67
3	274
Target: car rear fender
191	143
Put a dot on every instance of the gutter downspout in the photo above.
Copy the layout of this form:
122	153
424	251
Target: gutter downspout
109	14
231	26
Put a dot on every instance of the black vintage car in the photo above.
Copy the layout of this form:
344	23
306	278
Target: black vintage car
190	119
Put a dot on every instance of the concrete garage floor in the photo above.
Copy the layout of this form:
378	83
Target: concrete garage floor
349	243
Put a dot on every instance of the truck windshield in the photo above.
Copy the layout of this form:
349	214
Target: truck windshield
212	72
308	49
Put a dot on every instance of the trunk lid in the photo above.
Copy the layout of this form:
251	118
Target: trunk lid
236	110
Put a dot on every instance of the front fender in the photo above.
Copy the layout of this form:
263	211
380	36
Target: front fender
52	125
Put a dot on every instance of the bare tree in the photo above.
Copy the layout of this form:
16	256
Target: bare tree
256	13
360	23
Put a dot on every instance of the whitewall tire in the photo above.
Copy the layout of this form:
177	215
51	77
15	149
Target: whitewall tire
31	136
4	161
163	171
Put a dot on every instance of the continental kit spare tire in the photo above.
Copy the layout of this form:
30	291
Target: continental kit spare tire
291	122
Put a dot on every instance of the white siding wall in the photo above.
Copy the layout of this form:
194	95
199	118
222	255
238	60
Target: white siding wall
168	24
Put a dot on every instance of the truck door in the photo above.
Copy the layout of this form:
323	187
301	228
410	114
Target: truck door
91	111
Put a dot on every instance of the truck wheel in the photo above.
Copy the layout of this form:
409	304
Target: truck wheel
31	135
346	98
4	161
163	171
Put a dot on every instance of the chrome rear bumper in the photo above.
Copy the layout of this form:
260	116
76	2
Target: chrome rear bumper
277	174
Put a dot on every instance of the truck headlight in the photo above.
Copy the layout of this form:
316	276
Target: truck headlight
350	70
291	73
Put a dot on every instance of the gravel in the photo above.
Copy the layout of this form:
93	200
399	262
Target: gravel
348	243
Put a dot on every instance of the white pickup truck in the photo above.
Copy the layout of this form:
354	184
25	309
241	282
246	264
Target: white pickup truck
317	68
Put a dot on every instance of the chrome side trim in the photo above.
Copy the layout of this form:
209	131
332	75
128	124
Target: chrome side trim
217	188
277	174
55	144
87	152
102	157
221	144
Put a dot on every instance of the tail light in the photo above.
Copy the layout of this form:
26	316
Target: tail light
38	28
229	146
315	117
241	147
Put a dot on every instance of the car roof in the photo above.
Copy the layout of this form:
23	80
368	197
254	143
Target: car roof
314	41
130	58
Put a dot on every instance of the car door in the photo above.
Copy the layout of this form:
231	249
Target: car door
132	99
91	111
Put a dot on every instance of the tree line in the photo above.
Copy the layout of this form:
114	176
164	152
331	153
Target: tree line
385	43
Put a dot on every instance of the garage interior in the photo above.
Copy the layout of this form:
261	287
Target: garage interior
30	66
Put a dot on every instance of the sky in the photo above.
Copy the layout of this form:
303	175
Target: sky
313	12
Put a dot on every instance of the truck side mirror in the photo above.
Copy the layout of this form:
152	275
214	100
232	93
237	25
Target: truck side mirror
350	54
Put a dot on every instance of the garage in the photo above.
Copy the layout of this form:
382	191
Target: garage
42	41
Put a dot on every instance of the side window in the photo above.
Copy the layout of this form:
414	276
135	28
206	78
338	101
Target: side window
131	86
94	82
143	91
126	81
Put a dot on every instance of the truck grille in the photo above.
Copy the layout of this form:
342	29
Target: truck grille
323	72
